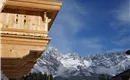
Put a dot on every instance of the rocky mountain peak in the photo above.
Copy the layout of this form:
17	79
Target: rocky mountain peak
72	64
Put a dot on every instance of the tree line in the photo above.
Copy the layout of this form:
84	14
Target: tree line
45	76
103	77
36	76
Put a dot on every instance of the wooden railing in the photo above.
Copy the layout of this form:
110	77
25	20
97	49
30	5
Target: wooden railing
20	24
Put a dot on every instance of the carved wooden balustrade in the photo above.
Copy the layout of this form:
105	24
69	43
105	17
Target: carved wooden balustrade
24	33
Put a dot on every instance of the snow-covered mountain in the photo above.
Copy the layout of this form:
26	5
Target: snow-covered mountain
71	64
3	77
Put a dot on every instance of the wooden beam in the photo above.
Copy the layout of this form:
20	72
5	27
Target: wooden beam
25	36
16	68
22	41
2	4
53	18
15	64
26	63
28	5
47	2
24	30
15	74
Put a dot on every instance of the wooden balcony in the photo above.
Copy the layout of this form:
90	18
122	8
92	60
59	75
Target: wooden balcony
24	32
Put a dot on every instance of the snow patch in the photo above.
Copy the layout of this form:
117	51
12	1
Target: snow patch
128	56
87	64
70	62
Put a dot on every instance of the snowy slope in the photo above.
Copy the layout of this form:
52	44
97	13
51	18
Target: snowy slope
3	77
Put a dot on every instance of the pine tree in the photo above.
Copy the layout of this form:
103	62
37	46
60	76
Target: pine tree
41	77
102	77
45	76
51	77
108	78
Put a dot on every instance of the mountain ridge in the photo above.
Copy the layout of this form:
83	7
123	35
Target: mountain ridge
72	64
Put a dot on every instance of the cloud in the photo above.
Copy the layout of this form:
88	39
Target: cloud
123	14
122	42
103	70
63	70
122	25
66	26
90	45
69	23
59	39
37	68
116	50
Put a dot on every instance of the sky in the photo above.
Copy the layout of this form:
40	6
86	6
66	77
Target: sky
91	27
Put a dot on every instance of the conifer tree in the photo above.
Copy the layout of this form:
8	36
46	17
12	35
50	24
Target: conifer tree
50	77
102	77
45	76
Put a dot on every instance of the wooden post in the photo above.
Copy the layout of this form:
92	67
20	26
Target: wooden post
45	21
